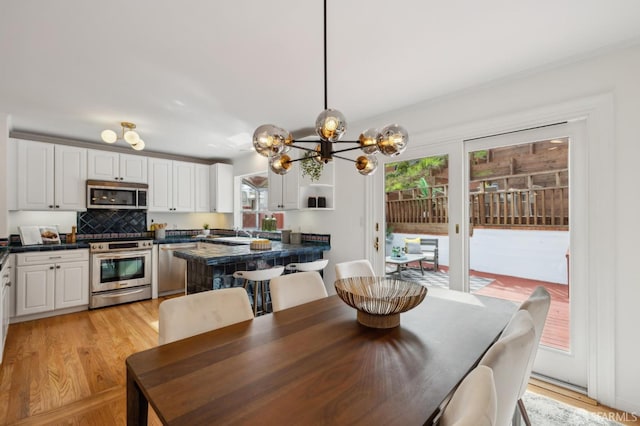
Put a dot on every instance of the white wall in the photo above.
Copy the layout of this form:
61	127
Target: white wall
4	137
535	255
616	73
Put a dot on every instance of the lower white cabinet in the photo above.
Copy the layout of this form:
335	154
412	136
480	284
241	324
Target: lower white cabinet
5	304
47	281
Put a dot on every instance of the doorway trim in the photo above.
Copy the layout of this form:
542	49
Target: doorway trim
598	113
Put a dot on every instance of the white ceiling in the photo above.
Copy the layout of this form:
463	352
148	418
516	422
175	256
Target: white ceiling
198	76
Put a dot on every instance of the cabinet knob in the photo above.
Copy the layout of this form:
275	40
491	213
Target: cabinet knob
8	283
58	267
57	206
50	206
50	267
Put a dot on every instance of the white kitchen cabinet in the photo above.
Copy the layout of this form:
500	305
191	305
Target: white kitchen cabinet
171	186
48	281
50	177
5	301
203	188
284	190
107	165
221	188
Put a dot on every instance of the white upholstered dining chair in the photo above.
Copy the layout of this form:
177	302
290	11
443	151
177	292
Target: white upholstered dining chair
295	289
538	307
186	316
474	401
508	357
354	268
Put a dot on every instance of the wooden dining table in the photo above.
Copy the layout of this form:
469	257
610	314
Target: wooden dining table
315	364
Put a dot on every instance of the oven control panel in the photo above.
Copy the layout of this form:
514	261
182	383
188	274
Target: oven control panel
108	246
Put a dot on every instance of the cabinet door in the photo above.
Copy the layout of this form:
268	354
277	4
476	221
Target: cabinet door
103	165
290	188
72	284
70	178
283	190
275	191
133	168
160	185
222	188
35	176
6	305
34	289
183	186
203	188
12	174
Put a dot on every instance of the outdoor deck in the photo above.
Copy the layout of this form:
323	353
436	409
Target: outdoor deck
556	330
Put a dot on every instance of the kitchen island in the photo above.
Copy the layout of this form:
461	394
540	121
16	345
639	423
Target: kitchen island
211	266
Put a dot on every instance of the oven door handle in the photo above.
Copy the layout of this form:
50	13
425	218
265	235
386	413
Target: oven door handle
122	254
124	293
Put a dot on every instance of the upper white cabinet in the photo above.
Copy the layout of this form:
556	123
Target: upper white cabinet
107	165
203	188
50	177
284	190
221	188
171	186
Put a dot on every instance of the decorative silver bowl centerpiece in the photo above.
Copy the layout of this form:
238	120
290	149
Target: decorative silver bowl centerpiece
378	300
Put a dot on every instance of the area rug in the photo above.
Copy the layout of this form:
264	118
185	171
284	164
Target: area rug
435	279
545	411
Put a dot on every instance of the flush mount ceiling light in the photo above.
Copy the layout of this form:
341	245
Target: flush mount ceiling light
274	142
128	135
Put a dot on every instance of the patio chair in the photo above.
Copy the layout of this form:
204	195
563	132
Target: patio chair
429	247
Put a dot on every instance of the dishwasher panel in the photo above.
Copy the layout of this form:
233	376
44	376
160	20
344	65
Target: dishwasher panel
172	271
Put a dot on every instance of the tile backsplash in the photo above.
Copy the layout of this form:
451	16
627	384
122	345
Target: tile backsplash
112	221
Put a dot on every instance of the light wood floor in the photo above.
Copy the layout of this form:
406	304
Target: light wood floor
70	369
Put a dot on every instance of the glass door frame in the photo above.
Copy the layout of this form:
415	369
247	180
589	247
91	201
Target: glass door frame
598	112
376	222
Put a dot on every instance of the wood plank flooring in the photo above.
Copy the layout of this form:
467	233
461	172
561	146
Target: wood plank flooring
70	369
556	328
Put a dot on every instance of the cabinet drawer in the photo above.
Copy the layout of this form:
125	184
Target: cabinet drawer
58	256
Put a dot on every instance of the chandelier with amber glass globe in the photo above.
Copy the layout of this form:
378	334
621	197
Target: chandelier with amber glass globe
275	142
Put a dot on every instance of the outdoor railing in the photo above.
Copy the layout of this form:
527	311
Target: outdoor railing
540	207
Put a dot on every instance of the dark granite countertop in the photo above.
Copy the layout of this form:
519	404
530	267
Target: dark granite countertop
216	254
48	247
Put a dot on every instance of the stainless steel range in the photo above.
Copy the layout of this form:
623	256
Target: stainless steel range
120	272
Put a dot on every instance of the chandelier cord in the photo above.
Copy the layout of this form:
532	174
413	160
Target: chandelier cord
325	54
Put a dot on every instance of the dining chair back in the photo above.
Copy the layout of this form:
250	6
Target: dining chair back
474	401
508	358
186	316
538	307
292	290
316	265
354	268
259	280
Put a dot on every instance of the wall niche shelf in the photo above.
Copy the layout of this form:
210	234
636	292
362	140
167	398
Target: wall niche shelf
324	187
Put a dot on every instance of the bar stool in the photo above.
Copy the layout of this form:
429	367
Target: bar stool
259	280
316	265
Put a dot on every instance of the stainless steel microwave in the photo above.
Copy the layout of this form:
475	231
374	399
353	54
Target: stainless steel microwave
104	194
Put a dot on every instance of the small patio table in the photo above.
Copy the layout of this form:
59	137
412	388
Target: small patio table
404	260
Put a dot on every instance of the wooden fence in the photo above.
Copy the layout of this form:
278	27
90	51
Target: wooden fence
543	208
